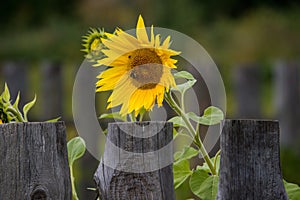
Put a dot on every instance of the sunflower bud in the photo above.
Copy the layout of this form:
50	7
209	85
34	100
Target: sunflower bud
92	43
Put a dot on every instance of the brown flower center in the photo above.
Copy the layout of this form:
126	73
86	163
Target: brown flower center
146	68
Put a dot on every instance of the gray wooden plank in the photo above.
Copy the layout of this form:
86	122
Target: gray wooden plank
250	164
34	161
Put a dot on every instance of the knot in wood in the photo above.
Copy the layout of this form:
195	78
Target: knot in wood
38	194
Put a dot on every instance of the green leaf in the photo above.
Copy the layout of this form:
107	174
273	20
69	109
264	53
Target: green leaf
186	153
114	115
196	180
181	172
179	132
6	94
54	120
175	133
16	104
177	155
212	115
182	88
292	190
27	107
217	161
76	149
204	188
184	74
203	167
177	121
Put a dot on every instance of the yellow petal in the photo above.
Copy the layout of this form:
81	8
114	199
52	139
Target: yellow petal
149	99
112	72
114	46
108	34
157	40
152	37
166	42
141	33
133	100
111	54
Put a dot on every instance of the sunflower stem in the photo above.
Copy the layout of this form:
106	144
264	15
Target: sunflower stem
182	103
141	117
132	117
197	141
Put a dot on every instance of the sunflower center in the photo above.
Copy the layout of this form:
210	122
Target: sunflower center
146	68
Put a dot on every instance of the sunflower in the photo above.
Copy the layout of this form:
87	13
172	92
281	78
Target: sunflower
92	43
139	69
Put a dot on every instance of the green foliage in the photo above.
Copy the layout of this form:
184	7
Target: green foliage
54	120
185	154
290	160
202	183
181	172
177	121
292	190
206	190
114	115
184	74
27	107
181	165
76	149
196	180
212	115
10	112
215	160
182	88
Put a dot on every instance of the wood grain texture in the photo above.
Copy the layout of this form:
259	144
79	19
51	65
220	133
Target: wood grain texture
250	164
34	162
123	178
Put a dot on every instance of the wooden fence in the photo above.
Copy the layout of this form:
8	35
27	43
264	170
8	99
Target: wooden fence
34	163
247	90
284	91
250	162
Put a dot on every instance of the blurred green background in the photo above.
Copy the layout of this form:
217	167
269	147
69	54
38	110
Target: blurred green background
253	35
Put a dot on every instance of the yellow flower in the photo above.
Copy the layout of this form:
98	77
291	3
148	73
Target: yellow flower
92	43
1	121
139	69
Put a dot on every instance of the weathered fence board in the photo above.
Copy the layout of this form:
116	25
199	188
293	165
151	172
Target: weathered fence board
137	174
287	96
52	89
34	161
250	164
247	87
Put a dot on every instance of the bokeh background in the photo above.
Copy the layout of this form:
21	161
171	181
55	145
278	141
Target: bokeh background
255	44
